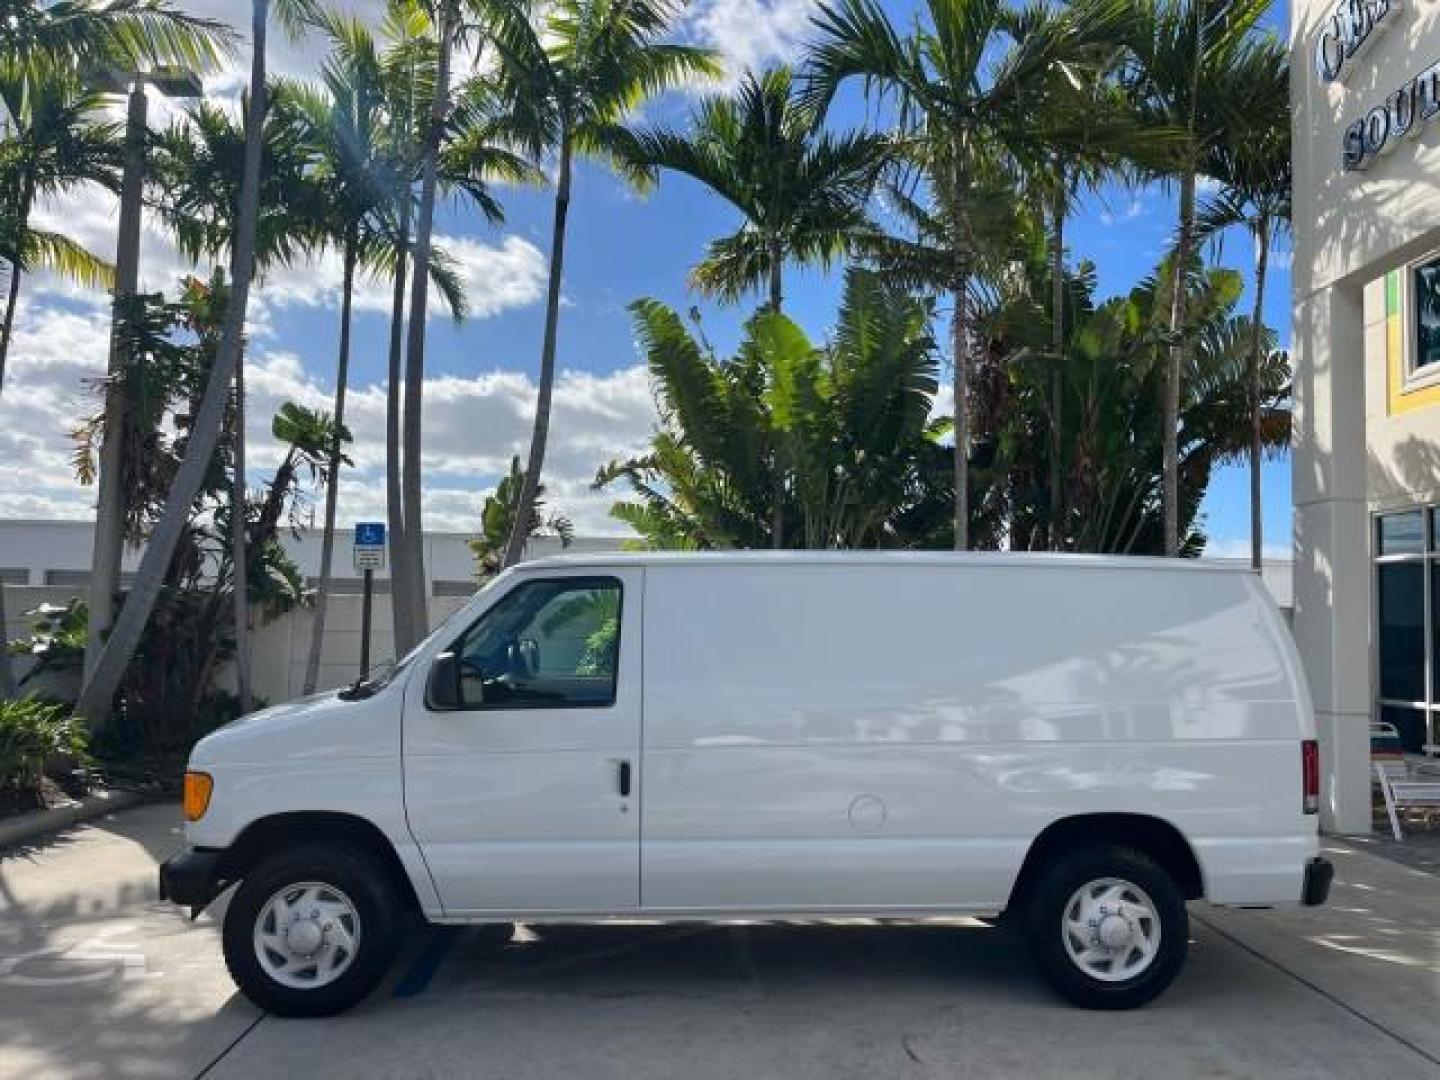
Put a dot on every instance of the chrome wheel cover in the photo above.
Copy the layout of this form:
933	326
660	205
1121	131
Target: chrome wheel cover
1111	929
307	935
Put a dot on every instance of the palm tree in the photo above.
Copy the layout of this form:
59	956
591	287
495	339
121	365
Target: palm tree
967	82
342	131
801	191
410	556
469	158
567	83
1256	195
39	38
345	131
409	68
54	142
1116	353
1201	71
497	518
125	633
1115	142
203	161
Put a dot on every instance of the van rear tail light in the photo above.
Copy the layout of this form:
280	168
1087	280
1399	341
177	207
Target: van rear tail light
1310	775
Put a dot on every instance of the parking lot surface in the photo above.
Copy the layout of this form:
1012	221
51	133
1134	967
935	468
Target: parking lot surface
98	979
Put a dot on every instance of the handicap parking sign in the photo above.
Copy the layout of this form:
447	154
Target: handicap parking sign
370	534
369	545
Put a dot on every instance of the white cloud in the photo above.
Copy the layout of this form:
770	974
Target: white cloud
496	277
752	34
472	427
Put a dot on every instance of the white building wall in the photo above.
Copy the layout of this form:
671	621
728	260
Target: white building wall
1358	448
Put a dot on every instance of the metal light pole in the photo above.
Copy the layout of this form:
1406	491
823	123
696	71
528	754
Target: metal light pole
110	502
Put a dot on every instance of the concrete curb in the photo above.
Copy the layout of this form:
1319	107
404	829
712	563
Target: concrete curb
23	828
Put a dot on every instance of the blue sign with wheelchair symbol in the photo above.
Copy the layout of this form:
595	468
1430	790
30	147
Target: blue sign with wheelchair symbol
370	534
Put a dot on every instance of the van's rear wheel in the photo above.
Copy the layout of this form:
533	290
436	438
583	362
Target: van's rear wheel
310	931
1108	927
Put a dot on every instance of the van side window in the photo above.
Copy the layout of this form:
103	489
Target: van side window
546	645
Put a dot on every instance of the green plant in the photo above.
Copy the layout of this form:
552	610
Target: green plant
497	518
57	639
31	732
790	444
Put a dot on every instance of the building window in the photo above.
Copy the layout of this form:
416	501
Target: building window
1425	296
1407	612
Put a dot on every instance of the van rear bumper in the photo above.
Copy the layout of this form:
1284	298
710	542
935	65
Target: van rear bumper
1319	873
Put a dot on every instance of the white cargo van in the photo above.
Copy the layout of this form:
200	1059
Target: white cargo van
1080	744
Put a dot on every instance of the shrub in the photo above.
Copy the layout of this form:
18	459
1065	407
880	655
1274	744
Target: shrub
56	644
32	732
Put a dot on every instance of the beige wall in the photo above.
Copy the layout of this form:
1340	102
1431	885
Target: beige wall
1402	447
1354	453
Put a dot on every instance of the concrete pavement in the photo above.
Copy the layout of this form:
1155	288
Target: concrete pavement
98	980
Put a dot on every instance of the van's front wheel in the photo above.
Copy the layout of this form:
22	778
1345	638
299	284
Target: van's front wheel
310	931
1109	927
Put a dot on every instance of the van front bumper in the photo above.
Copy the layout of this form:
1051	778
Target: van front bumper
192	877
1319	873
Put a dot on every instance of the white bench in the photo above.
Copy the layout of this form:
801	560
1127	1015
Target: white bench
1400	791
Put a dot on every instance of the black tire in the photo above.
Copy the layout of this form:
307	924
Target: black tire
1053	893
363	880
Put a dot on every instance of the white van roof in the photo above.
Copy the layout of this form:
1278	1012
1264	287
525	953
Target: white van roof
1037	560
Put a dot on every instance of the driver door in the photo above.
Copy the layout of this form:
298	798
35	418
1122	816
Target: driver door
522	788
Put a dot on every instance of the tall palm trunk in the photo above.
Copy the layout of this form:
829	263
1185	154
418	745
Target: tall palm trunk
777	509
240	540
110	501
1175	362
1257	335
525	505
7	674
777	270
332	489
1057	359
410	486
405	633
960	354
12	296
100	686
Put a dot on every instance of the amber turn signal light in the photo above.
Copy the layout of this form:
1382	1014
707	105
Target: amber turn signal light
198	786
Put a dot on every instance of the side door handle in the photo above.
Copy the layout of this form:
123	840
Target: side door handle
623	778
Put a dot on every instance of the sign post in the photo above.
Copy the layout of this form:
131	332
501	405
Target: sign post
369	557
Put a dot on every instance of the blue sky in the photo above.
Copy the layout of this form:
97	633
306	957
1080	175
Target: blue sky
480	375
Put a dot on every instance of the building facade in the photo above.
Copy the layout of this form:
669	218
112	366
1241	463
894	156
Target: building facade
1365	97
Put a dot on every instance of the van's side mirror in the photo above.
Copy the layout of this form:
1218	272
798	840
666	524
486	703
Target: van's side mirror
443	691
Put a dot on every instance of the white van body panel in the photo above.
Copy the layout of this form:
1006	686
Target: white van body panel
518	810
319	754
894	736
855	733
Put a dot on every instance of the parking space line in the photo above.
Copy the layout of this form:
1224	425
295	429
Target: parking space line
1326	994
233	1043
